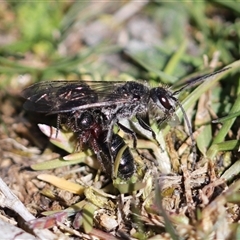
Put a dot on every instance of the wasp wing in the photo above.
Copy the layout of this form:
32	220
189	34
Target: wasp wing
66	96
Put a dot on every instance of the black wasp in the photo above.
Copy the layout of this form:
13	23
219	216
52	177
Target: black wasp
115	100
89	127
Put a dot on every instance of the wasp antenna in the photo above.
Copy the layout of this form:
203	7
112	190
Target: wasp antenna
200	79
189	126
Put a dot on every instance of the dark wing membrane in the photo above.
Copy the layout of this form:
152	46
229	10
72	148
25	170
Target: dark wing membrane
57	96
65	96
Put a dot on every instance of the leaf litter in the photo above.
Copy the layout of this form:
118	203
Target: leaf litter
77	200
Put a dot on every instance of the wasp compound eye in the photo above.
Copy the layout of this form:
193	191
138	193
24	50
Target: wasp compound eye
162	98
166	104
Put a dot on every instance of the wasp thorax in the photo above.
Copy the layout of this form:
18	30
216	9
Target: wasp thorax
85	120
